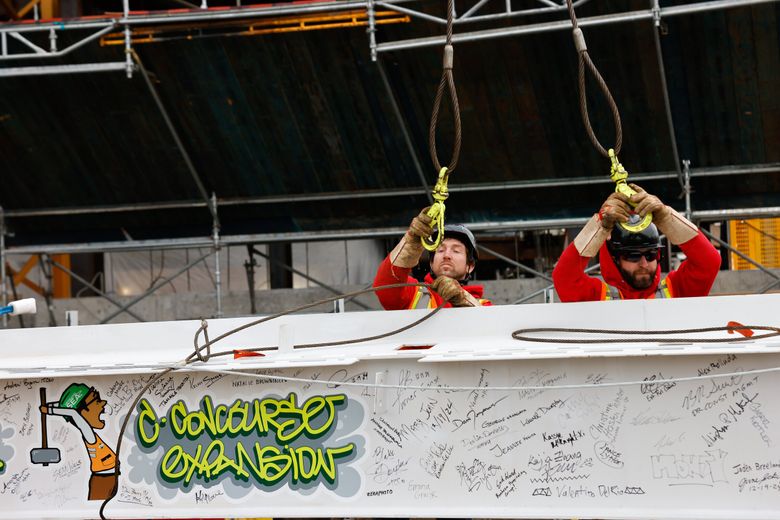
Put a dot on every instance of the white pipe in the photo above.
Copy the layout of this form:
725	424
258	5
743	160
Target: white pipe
25	306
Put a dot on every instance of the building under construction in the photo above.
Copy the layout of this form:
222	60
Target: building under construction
185	173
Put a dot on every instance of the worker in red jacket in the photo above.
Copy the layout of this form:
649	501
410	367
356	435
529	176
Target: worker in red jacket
629	261
451	266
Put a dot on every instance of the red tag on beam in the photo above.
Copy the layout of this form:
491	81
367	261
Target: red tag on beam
414	347
246	353
744	331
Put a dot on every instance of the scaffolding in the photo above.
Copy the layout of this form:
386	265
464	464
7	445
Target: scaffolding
147	23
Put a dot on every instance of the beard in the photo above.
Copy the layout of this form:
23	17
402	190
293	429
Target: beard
639	279
453	273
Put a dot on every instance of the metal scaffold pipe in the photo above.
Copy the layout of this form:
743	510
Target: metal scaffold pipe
157	285
351	234
3	288
92	286
48	70
217	247
371	29
687	187
753	169
560	25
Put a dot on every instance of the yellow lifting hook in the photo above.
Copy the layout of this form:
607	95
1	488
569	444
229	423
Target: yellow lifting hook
440	194
619	175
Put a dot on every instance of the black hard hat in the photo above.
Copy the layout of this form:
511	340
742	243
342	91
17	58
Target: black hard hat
462	233
624	240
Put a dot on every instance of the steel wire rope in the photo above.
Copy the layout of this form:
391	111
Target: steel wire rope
584	59
440	191
447	81
520	335
198	355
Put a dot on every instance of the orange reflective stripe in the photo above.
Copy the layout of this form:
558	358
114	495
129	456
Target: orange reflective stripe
610	293
668	289
664	290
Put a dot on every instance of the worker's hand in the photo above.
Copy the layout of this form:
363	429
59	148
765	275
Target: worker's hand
615	209
451	291
409	250
421	225
43	409
646	203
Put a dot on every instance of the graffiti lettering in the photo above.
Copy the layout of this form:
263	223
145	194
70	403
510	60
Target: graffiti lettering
242	418
146	415
267	463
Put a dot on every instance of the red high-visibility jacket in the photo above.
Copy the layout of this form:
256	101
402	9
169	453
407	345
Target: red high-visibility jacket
411	297
694	277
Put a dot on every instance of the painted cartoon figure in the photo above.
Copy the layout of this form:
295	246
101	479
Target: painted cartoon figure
81	406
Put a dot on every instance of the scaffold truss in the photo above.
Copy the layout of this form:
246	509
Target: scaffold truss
39	39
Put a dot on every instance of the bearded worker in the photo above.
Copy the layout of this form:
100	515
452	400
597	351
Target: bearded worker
630	260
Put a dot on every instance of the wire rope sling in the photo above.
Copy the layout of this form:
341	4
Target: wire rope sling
440	190
618	173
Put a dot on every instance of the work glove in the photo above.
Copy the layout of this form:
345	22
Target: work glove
450	291
677	228
596	231
646	203
615	209
409	250
421	225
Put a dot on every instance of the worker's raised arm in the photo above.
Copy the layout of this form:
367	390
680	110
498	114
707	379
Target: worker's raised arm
395	268
571	282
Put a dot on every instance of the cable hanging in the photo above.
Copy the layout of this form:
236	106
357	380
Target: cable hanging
440	191
618	173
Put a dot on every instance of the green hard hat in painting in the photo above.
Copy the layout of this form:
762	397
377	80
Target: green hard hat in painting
73	395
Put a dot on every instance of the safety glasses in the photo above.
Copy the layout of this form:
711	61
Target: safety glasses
95	396
635	256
